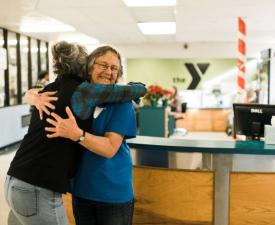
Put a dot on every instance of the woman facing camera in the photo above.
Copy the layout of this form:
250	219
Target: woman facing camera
102	188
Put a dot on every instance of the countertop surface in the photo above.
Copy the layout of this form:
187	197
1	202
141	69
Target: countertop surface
203	146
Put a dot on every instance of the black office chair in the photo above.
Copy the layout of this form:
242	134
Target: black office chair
183	107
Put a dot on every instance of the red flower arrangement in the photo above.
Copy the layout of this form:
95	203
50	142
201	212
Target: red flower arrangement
156	92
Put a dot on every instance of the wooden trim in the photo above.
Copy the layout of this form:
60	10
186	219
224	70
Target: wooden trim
251	198
67	199
166	196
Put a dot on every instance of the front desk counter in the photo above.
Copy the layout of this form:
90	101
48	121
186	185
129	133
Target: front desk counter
235	187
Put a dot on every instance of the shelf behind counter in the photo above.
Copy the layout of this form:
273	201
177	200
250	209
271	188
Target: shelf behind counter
204	119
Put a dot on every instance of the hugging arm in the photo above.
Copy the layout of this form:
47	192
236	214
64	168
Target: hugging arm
89	95
86	97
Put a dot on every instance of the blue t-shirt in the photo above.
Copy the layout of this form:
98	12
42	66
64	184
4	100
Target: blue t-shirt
102	179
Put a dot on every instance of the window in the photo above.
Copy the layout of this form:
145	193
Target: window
43	55
24	50
34	56
20	62
12	66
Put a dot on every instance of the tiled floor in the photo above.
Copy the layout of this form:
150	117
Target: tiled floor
5	159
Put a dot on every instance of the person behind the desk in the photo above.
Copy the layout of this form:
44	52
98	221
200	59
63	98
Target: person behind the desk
174	101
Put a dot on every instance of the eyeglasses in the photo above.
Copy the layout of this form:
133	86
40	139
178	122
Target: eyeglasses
104	67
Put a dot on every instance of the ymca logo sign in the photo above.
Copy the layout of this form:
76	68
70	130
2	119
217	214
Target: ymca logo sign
196	78
195	74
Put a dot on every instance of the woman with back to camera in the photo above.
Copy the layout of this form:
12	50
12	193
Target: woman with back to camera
102	188
42	167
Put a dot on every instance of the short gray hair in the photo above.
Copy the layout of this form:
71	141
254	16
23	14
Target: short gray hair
69	59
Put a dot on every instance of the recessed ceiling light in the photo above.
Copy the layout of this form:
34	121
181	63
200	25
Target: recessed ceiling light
44	25
149	3
155	28
79	38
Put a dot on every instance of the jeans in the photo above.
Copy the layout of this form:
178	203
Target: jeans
33	205
87	212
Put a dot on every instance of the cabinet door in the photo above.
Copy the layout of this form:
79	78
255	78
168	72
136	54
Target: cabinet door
153	121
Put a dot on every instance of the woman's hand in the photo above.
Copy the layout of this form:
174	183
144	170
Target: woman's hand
66	128
41	101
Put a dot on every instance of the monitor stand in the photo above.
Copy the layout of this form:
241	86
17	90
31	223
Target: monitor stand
256	130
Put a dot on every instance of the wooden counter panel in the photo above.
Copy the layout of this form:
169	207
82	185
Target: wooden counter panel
166	196
202	114
187	124
252	199
204	120
219	125
202	125
67	199
221	114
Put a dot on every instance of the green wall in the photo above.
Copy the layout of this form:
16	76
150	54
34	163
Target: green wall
166	71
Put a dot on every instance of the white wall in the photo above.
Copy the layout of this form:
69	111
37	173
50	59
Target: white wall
194	50
10	124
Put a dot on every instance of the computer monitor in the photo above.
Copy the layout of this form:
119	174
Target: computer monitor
249	119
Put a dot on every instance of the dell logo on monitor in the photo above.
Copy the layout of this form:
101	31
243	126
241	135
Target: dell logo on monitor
256	110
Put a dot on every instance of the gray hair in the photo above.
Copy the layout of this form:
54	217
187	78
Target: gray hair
69	59
100	51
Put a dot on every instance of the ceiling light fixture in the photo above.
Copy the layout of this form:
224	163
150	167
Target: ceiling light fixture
155	28
44	26
149	3
79	38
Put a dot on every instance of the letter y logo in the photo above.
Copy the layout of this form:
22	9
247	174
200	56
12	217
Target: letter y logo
194	73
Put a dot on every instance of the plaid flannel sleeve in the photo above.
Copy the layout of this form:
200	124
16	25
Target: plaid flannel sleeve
87	96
